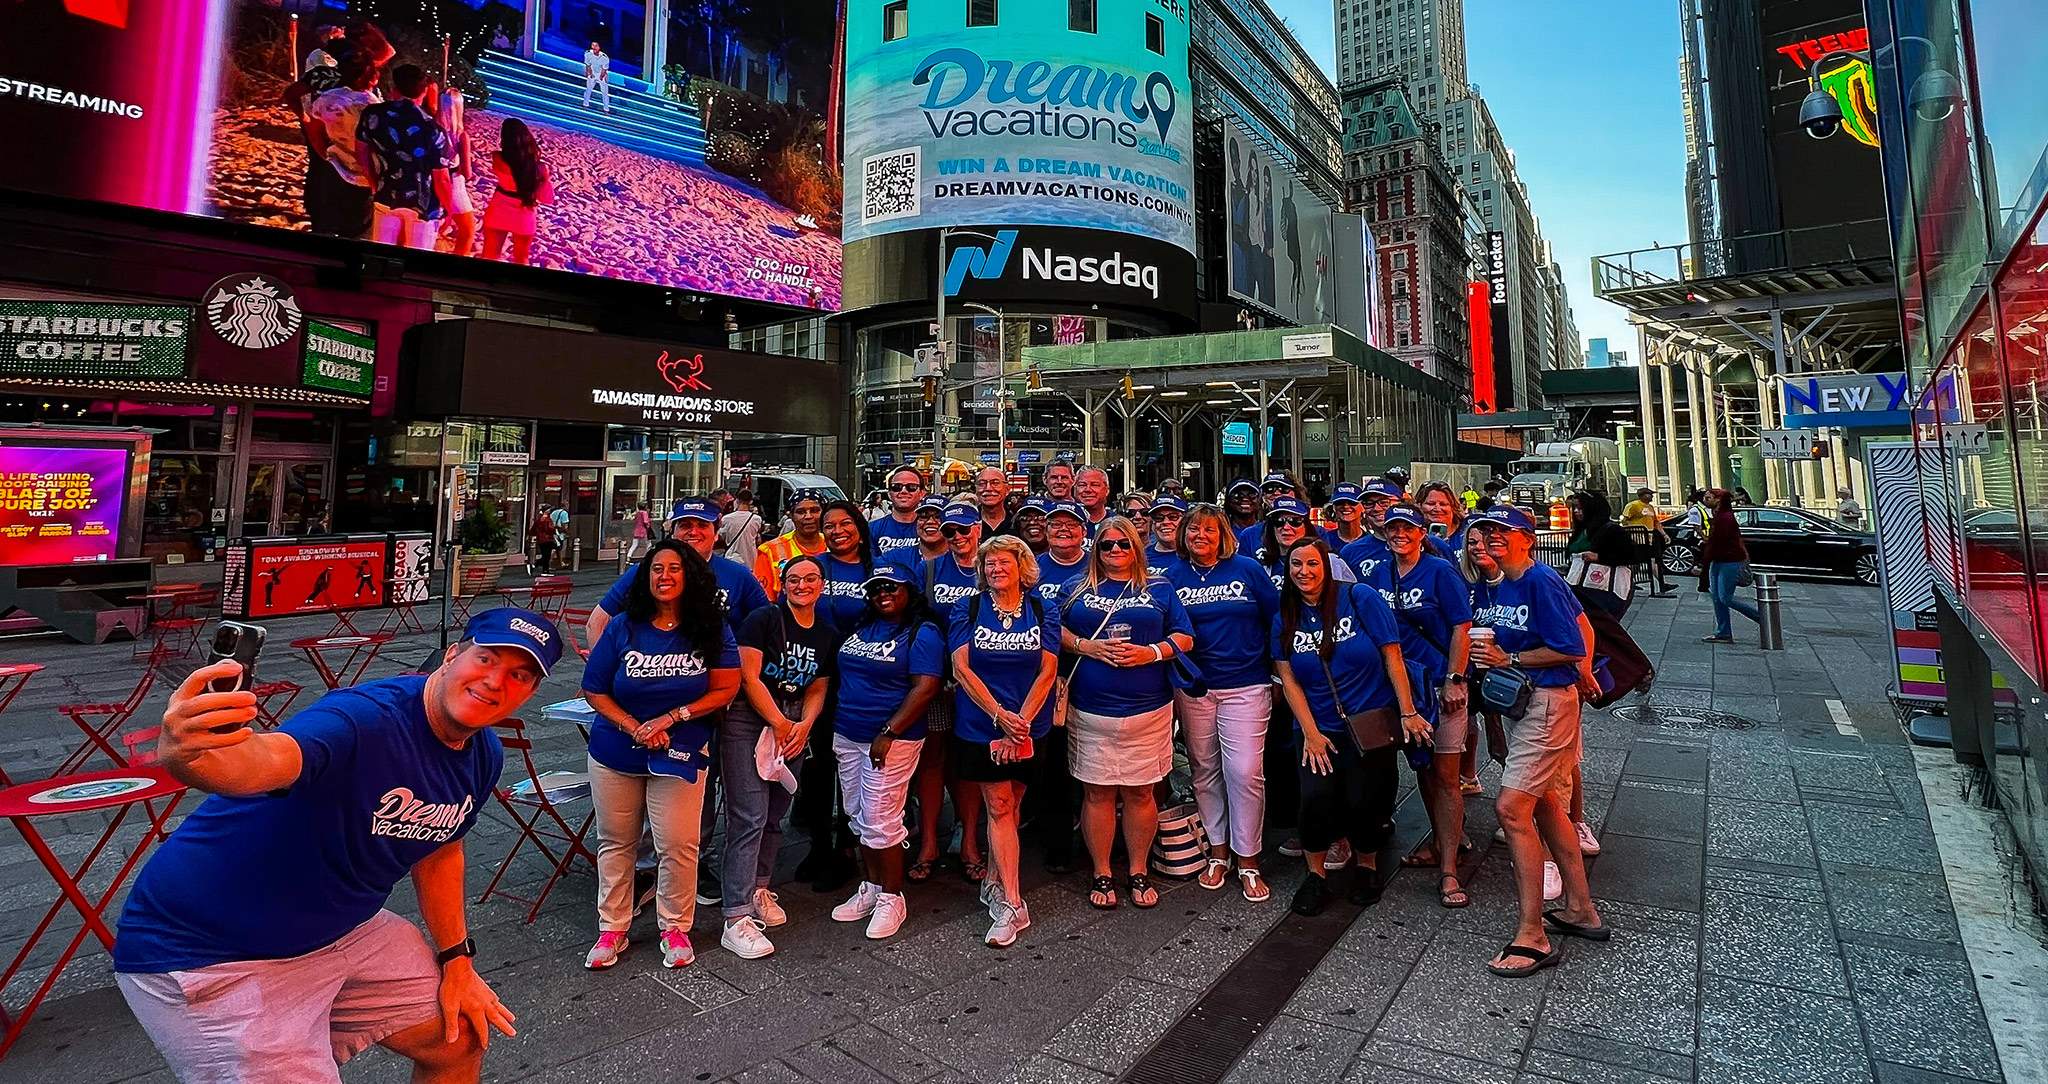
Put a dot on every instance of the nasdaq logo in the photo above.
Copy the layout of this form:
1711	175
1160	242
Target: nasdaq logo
1042	263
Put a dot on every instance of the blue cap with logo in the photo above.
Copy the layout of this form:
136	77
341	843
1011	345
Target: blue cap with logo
1381	487
1287	506
523	630
1066	508
1040	505
1407	515
934	505
887	572
1242	483
1168	500
1346	493
697	508
1275	478
962	515
1506	517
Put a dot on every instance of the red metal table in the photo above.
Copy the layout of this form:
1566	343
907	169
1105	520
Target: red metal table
14	678
125	789
362	651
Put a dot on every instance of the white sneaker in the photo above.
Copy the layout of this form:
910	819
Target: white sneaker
1010	922
1553	882
771	912
606	952
1338	856
859	905
1588	842
744	939
1500	835
890	909
1291	847
992	898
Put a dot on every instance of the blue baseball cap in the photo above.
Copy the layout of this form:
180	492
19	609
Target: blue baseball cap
934	505
1168	500
1346	493
964	515
507	626
698	508
1242	483
1381	487
1066	508
1287	506
1409	516
1040	505
887	573
1275	478
1506	517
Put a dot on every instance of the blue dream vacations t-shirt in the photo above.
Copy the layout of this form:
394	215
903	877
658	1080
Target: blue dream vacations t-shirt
1535	611
1117	609
275	876
650	673
1231	607
1364	626
876	667
1007	656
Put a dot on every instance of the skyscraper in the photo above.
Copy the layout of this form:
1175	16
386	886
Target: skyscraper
1422	41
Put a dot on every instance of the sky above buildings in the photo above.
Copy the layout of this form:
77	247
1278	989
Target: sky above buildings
1586	92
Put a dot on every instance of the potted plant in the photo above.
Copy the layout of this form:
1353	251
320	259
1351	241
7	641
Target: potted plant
482	538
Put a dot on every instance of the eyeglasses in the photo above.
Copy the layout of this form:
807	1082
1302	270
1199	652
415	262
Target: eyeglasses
1273	489
989	483
954	530
1108	544
1289	521
874	589
905	487
811	580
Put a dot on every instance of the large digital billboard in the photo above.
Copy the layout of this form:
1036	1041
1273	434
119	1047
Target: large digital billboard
1279	253
1021	119
61	505
683	145
1830	190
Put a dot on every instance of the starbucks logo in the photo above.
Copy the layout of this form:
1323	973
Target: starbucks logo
253	311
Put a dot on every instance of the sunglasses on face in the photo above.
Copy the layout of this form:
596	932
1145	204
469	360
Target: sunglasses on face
954	530
905	487
874	589
1111	544
1289	521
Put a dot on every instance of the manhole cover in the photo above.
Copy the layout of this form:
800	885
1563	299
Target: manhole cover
1680	717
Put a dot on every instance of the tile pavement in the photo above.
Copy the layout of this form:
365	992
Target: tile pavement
1779	907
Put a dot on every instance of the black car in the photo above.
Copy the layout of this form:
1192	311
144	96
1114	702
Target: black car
1792	539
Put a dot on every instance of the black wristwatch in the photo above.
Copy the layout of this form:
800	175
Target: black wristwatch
453	952
1455	679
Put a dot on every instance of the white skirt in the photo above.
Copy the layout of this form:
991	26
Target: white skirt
1120	750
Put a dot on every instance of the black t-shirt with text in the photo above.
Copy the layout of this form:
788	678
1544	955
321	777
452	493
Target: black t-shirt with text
792	656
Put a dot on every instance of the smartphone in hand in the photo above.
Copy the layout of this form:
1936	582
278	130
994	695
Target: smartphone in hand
241	642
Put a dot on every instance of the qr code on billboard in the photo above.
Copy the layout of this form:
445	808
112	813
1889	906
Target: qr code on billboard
889	185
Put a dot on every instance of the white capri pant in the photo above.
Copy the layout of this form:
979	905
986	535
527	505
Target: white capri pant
1226	733
874	797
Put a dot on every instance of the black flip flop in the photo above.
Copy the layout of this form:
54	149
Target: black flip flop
1556	921
1105	887
1523	952
1138	882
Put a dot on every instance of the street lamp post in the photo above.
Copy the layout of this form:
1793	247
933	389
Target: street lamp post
939	381
1002	386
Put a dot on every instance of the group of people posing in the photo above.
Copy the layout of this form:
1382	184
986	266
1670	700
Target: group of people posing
1023	656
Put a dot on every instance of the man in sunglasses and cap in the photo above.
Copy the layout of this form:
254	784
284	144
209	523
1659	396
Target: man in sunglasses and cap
806	535
255	945
1370	551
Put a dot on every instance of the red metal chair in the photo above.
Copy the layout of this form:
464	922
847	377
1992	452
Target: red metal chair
180	633
577	619
550	595
273	699
535	805
476	583
100	722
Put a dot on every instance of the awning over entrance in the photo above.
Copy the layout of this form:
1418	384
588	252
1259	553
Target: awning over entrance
496	369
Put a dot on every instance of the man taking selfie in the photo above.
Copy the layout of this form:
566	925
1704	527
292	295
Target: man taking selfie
256	946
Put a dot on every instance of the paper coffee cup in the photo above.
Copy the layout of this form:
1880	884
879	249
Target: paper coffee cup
1481	634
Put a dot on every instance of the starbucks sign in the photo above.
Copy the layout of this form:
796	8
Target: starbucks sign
339	360
93	340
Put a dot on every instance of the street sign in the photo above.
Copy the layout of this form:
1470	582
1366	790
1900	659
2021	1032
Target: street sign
932	358
1786	444
1029	455
1966	440
991	457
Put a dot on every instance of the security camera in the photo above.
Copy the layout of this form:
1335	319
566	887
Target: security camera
1820	114
1934	95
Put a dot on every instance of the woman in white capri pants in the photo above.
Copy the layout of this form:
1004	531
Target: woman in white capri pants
1231	602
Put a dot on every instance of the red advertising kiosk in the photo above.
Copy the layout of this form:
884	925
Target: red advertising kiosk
70	529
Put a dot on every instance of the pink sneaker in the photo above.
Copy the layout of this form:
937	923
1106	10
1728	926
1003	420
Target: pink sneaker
606	952
676	950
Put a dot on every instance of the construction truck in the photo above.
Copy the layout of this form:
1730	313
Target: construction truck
1555	470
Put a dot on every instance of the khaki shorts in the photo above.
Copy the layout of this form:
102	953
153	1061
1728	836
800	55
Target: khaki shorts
289	1020
1543	745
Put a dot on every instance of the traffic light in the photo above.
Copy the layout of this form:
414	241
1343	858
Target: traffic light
1033	380
1130	390
1819	449
931	390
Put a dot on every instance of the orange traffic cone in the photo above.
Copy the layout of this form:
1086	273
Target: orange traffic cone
1560	516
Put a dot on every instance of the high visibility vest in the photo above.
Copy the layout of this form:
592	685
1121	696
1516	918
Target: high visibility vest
768	560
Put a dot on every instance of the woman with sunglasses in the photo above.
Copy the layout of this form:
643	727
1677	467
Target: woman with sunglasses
657	679
1338	652
848	561
948	579
1278	485
889	670
1231	603
787	652
1287	522
1432	606
1005	650
1137	507
1122	626
1168	511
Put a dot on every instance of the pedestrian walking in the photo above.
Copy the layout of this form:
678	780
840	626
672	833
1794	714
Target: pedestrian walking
642	530
1603	553
657	680
543	534
1724	566
1123	626
255	943
1537	630
1231	604
1338	655
739	531
1642	515
788	652
890	667
1004	643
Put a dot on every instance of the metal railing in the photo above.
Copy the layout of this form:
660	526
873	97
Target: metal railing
1664	265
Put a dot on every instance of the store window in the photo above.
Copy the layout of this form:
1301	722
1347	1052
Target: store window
895	19
1081	16
2007	46
1994	537
981	12
2021	296
1155	34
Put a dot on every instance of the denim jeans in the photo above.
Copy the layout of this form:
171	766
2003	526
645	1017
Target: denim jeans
1721	584
753	812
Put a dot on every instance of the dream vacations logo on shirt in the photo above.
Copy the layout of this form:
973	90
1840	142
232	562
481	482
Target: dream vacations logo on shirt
1234	591
868	649
402	815
670	664
1306	641
988	639
1503	617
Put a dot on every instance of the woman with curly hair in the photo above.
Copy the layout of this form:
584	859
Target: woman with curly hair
657	679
